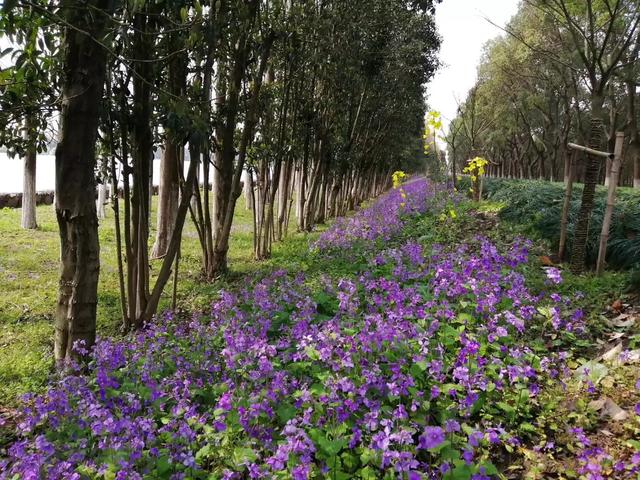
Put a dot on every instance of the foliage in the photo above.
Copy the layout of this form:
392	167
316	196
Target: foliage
538	205
28	275
430	362
538	86
476	170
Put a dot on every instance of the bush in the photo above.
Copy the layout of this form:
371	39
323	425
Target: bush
538	206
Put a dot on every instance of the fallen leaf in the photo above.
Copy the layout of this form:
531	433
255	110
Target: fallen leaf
623	320
612	354
546	261
611	409
616	336
617	306
597	405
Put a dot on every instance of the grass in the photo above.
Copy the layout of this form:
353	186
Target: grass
29	278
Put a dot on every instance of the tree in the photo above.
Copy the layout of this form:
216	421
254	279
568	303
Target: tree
84	67
602	45
29	92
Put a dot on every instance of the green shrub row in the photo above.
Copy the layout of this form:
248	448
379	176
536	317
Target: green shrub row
537	205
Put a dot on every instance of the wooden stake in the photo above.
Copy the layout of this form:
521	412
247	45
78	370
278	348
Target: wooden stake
590	151
611	200
564	220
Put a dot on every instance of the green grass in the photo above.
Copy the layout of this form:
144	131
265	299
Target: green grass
29	278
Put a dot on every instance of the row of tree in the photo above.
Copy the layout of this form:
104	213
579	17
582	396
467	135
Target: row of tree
565	71
306	102
560	65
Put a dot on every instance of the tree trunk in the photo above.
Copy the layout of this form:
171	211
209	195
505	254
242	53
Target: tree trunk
101	200
29	182
84	62
592	171
564	219
247	188
168	197
611	201
634	141
233	189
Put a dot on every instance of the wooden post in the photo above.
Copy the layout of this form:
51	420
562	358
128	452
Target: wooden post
611	200
568	190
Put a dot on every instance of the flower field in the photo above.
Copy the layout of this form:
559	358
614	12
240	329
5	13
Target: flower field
434	361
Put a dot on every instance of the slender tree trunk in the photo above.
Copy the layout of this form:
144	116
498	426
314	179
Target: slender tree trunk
247	188
173	250
142	155
84	64
101	201
29	197
634	141
611	201
283	197
564	219
225	220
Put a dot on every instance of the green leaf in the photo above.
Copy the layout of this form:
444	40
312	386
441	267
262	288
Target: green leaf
312	353
368	473
368	456
163	465
242	455
203	452
286	412
597	371
508	409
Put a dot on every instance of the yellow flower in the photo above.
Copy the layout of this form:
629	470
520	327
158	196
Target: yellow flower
453	214
397	178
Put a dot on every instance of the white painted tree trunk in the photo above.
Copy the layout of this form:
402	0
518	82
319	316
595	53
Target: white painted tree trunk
247	190
102	200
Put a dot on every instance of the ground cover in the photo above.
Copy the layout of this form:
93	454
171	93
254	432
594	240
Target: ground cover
436	345
537	205
29	276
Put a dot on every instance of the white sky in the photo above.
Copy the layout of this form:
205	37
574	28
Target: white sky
464	31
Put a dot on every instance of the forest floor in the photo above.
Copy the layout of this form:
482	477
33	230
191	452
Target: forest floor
29	278
441	345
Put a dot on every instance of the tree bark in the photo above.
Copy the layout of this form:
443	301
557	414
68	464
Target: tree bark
142	158
29	182
168	198
592	171
634	141
84	64
101	200
611	201
564	220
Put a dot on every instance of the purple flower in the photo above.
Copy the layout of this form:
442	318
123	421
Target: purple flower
554	275
432	437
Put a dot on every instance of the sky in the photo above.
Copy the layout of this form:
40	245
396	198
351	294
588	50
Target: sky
464	31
